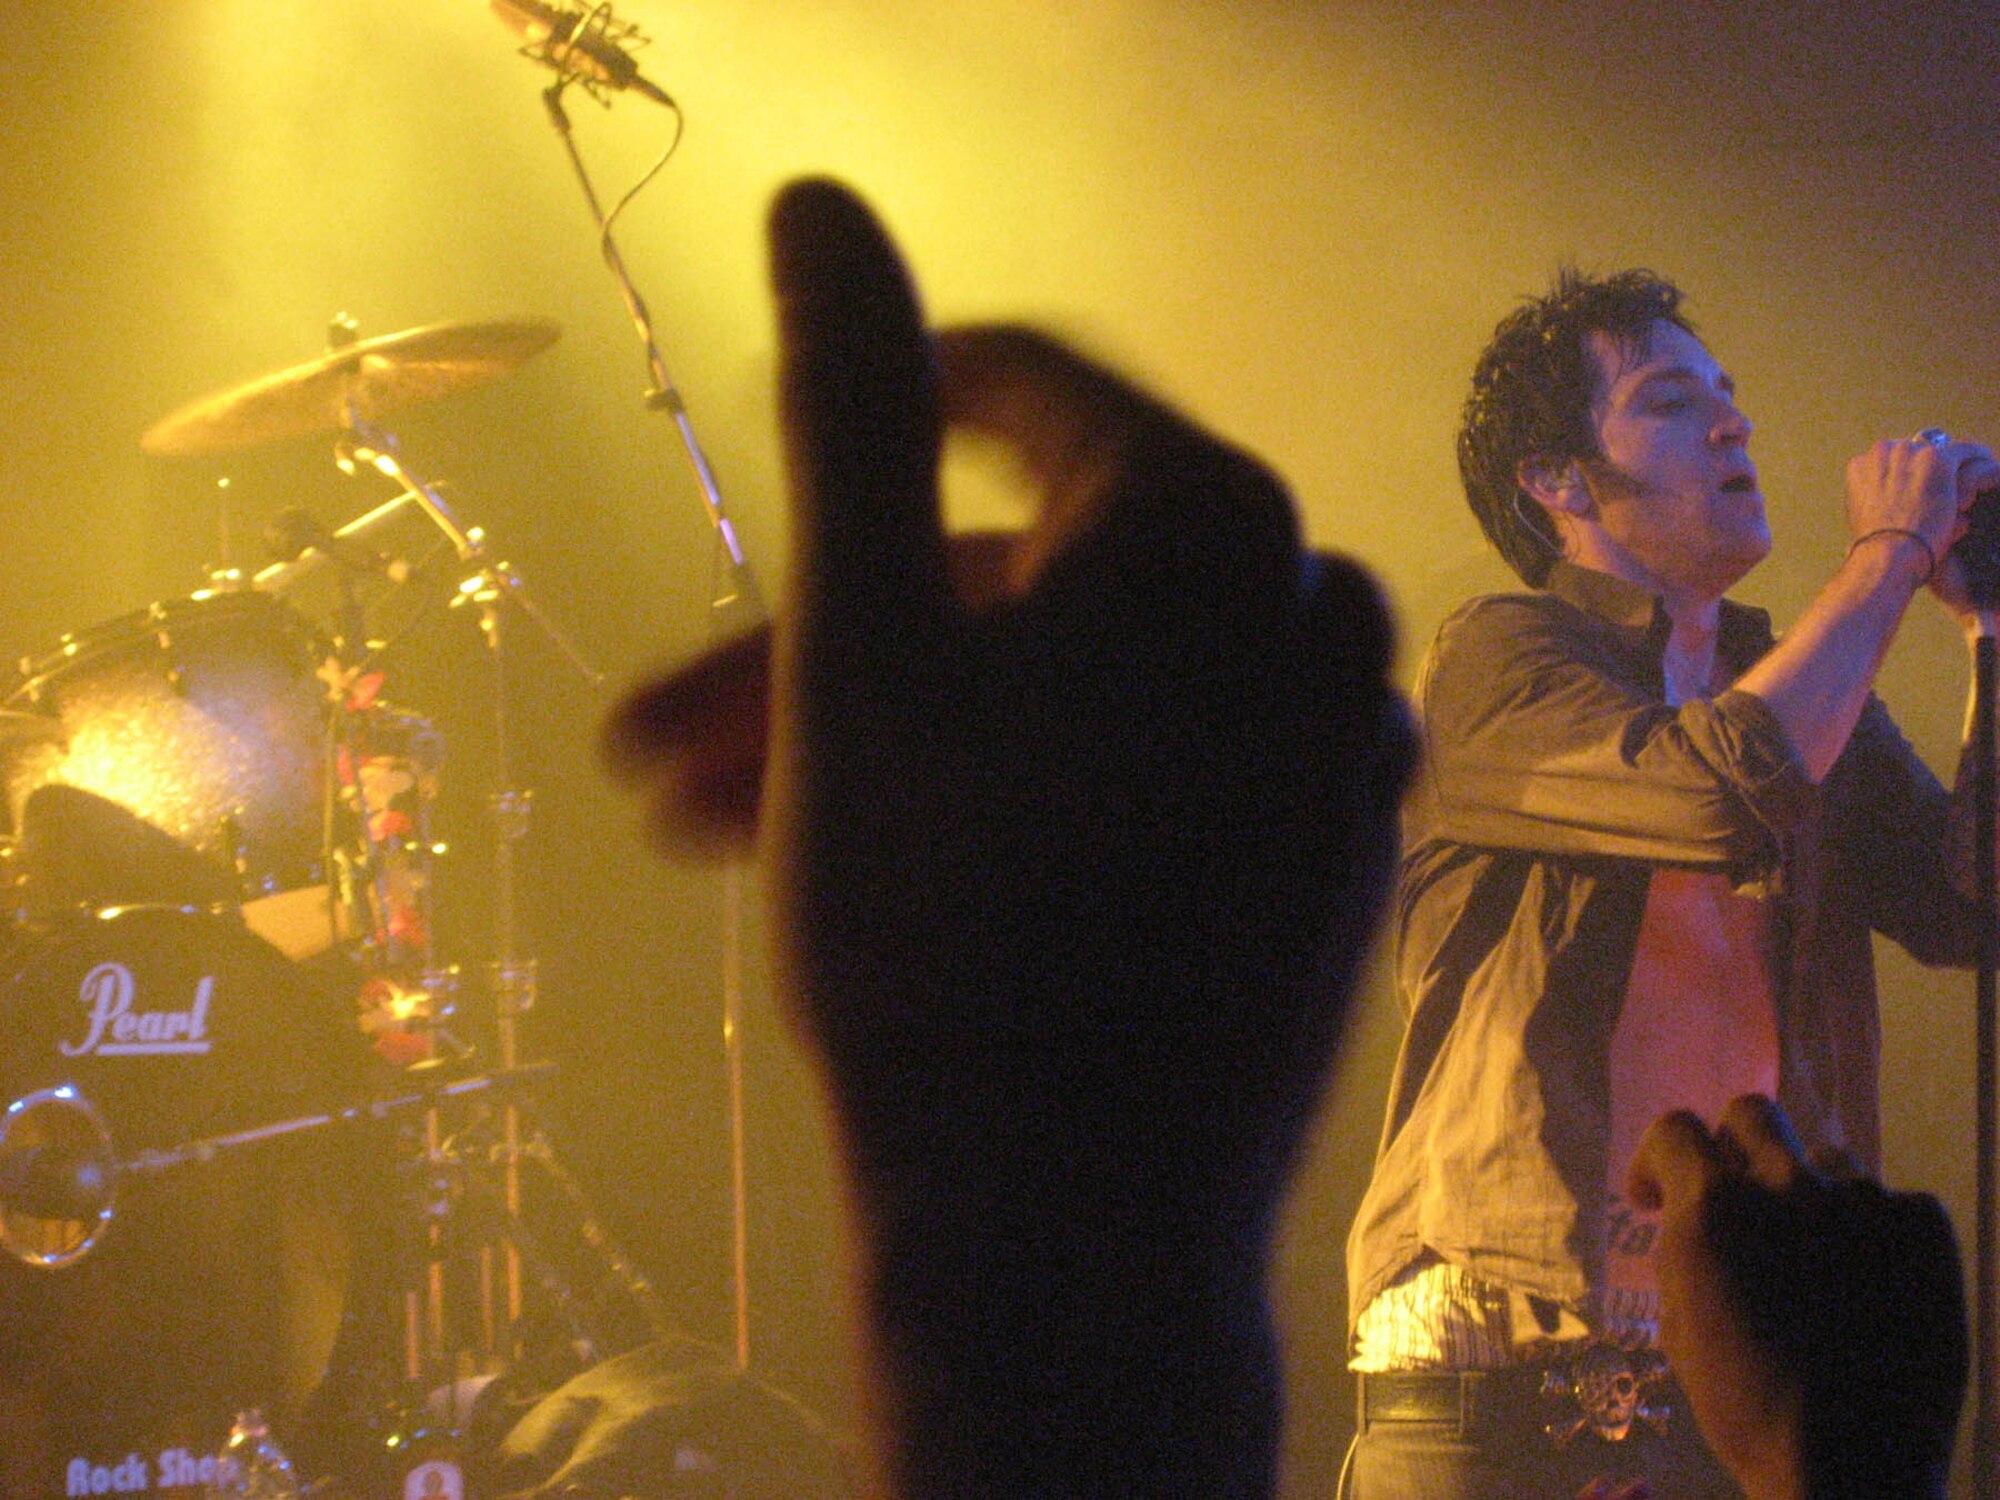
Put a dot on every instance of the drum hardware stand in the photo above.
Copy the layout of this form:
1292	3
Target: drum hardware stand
591	1338
370	445
465	1184
735	602
623	1270
511	974
67	1170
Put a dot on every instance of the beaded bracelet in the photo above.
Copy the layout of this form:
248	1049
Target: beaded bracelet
1930	552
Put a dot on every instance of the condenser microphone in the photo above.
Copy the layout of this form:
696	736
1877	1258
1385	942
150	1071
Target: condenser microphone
586	44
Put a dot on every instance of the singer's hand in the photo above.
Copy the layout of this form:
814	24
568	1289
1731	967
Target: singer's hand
1070	884
1911	484
1816	1321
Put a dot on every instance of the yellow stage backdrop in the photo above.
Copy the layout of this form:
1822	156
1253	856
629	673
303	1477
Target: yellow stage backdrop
1299	220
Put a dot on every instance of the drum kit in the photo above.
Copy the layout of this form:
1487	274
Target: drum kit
220	867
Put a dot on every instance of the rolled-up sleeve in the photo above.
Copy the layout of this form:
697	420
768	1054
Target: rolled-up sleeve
1909	841
1541	734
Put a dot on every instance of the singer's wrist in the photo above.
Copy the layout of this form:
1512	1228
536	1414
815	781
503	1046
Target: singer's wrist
1897	535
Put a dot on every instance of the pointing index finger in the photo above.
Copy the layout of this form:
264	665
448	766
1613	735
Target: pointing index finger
858	402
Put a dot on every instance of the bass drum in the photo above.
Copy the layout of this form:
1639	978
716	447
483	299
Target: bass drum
204	718
217	1285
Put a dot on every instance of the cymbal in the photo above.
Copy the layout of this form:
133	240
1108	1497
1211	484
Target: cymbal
372	378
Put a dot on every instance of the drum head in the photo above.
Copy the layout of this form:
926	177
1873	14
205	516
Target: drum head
178	1025
201	716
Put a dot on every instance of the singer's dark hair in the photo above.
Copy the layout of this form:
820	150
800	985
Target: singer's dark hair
1531	395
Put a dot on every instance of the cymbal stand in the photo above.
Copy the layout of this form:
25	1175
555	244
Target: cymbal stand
512	973
735	601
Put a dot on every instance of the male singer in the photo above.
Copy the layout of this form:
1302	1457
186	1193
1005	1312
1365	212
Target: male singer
1643	859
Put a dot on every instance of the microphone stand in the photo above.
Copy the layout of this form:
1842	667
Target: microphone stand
1978	553
738	585
1985	1440
735	597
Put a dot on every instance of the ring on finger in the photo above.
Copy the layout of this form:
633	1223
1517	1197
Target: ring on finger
1937	437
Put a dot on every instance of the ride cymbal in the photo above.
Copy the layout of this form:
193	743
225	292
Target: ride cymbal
370	380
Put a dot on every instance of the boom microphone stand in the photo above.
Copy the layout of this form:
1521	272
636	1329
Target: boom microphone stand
735	601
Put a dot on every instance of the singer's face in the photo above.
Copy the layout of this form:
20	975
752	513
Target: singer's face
1674	499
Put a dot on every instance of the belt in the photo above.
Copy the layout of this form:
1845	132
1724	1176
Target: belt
1601	1389
1464	1399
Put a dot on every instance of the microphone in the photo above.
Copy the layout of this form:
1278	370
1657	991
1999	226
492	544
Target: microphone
581	44
293	533
1978	551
